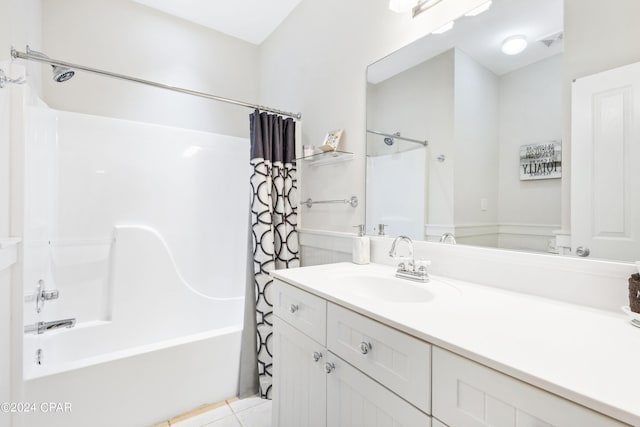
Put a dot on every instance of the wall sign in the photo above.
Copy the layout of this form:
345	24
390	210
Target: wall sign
541	161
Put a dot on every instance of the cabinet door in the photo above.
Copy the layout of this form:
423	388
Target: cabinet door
466	394
436	423
355	400
299	380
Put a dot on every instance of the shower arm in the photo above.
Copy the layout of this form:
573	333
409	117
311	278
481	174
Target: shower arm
30	57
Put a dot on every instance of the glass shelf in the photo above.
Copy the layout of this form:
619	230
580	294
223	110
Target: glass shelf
326	157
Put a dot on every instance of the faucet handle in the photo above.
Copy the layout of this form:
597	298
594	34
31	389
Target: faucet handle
406	263
422	264
381	229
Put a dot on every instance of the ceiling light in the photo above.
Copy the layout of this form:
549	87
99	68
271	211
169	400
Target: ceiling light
446	27
514	45
423	6
478	10
401	6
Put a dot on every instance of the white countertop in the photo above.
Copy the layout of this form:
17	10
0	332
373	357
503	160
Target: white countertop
588	356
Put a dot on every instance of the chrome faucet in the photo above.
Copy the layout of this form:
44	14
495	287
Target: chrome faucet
42	327
409	270
448	236
392	251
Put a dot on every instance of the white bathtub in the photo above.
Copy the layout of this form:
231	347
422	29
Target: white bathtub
151	307
165	351
124	220
140	387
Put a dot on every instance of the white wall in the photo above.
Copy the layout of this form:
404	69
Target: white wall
476	142
530	113
315	63
128	38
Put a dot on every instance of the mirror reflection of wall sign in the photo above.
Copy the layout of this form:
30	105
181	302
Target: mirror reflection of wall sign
540	161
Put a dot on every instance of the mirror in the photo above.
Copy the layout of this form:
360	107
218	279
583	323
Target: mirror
491	173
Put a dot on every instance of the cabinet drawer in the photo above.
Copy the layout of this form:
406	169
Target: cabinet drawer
396	360
354	399
467	394
300	309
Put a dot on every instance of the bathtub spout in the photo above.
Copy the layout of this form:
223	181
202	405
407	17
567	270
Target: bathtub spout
42	327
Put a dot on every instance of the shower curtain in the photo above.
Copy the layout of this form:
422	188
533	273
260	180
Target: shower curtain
274	223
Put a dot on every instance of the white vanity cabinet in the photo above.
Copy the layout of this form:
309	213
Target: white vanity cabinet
334	367
313	386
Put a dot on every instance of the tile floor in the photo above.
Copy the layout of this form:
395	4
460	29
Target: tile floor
249	412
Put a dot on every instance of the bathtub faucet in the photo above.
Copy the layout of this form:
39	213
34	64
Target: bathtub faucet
42	327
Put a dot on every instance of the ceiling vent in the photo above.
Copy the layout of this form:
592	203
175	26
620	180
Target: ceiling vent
552	39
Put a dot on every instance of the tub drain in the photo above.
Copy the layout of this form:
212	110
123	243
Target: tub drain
39	354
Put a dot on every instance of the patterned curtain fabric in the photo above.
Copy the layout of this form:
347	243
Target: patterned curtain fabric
274	222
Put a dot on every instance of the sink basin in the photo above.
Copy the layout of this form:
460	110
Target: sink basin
388	289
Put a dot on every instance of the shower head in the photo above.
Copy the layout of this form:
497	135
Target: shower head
60	73
389	139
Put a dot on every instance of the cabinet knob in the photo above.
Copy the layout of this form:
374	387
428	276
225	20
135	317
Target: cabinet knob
316	356
365	347
293	308
329	367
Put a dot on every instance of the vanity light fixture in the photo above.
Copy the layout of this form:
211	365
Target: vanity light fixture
401	6
478	10
423	6
446	27
514	45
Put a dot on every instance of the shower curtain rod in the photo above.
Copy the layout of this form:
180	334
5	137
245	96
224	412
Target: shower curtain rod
417	141
26	55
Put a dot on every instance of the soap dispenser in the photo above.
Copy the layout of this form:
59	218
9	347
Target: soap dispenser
361	247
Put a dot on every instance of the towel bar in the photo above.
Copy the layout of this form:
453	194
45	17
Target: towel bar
353	201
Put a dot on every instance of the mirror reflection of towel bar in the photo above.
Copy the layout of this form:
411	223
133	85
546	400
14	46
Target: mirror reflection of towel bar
353	201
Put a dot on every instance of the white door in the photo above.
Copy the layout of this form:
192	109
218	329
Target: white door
355	400
299	380
605	164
